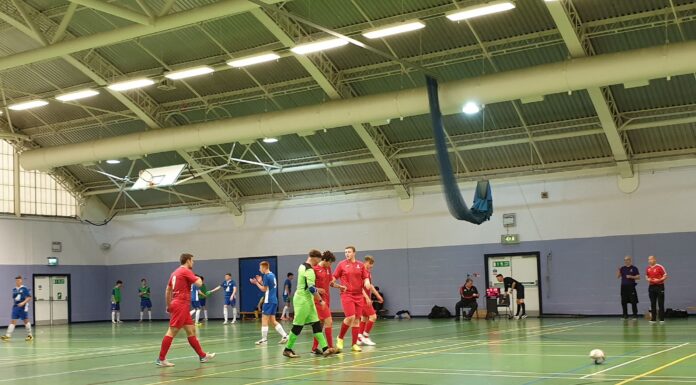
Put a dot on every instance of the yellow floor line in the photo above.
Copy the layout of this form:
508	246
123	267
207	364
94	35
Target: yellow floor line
665	366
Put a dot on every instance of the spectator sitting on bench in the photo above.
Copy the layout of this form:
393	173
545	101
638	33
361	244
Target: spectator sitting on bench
379	307
468	294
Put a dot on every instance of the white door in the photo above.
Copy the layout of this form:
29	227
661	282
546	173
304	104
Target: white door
522	268
51	300
59	302
42	300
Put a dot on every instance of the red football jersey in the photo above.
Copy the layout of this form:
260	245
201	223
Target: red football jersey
656	272
352	275
369	278
180	281
323	280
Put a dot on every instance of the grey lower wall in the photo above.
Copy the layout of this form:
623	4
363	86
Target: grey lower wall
578	276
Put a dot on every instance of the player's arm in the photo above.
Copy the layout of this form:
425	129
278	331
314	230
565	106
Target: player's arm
26	300
214	290
168	296
311	280
257	281
376	294
201	293
234	292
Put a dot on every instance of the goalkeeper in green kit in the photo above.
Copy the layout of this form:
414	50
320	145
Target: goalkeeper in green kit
305	310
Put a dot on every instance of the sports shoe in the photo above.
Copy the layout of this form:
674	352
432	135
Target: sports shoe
199	324
662	322
119	321
164	363
328	352
283	340
367	341
516	317
290	353
318	352
234	321
356	348
262	341
652	322
457	318
523	316
624	318
5	338
113	322
226	323
29	338
208	357
339	344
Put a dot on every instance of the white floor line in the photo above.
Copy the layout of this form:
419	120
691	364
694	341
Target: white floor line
634	360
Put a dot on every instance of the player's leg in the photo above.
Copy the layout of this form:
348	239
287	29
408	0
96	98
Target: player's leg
271	312
224	310
264	330
661	304
235	313
652	292
10	327
625	294
371	319
205	312
27	326
301	315
634	303
355	331
149	311
349	313
142	310
190	330
167	343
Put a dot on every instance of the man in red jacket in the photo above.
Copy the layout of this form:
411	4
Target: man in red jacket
656	275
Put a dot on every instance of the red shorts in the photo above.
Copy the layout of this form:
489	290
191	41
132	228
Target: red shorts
324	312
179	315
367	309
352	304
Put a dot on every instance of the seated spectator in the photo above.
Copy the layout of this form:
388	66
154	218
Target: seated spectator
379	307
468	295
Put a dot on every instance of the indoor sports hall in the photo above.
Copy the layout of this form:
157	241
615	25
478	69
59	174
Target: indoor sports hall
398	192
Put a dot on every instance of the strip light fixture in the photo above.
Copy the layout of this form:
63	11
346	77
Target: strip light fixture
394	29
131	84
480	10
251	60
317	46
27	105
189	73
77	95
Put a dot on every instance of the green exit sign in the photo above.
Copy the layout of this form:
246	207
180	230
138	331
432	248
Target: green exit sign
501	264
59	281
510	239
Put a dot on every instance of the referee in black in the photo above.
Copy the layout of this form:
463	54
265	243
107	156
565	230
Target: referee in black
511	284
629	276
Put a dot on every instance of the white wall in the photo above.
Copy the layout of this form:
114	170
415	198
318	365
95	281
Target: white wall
27	241
580	208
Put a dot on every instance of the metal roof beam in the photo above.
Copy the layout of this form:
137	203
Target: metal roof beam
570	26
116	10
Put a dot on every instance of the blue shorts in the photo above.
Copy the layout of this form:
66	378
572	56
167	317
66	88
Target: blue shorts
287	299
202	302
269	308
116	306
230	302
196	304
145	304
19	313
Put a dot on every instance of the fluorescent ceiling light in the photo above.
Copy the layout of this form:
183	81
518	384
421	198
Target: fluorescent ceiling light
480	10
131	84
394	29
321	45
27	105
189	73
251	60
471	108
113	161
77	95
270	140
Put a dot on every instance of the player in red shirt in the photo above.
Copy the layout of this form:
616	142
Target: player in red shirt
656	275
178	296
324	282
353	276
369	316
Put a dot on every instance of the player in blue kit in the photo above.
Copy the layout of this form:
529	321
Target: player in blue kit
230	289
287	297
21	297
269	286
196	303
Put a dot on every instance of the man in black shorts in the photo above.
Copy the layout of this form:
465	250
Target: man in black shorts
629	276
510	285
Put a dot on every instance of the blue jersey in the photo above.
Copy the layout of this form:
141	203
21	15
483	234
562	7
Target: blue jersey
194	293
228	287
19	294
271	284
287	287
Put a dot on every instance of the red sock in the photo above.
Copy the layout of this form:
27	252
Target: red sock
355	332
193	341
166	343
329	336
368	326
344	330
315	345
362	327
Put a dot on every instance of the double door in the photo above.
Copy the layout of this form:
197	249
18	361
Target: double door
51	299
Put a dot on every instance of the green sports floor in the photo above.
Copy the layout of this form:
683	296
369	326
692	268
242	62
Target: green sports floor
417	351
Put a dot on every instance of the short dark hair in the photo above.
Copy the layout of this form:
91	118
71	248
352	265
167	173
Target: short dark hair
350	247
230	274
201	277
469	280
291	275
328	256
314	253
499	275
185	257
18	277
369	259
119	281
143	280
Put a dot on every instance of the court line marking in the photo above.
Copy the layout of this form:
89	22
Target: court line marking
665	366
634	360
353	362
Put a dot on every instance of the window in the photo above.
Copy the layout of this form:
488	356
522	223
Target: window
40	194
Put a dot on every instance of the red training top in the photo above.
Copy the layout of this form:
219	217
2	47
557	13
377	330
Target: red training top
323	280
352	275
656	272
369	278
180	281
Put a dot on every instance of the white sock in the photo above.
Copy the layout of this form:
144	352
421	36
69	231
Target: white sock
234	314
28	327
141	315
205	314
118	316
285	312
10	329
198	314
224	312
280	330
264	332
192	312
149	314
113	316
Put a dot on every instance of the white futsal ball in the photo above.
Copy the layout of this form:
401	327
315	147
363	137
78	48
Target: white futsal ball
597	356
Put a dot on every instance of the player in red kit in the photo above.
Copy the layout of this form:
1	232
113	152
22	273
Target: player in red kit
353	275
178	298
369	316
324	282
656	275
